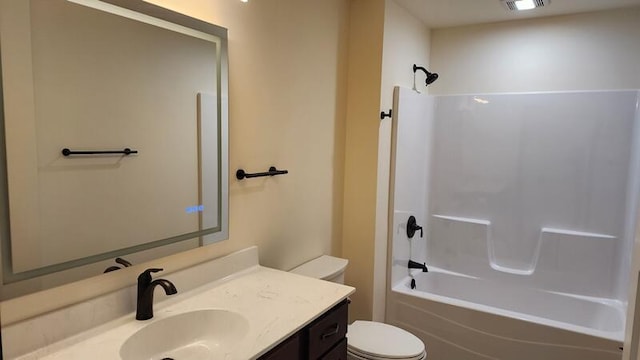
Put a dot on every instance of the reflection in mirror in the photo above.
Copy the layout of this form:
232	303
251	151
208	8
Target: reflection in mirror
81	81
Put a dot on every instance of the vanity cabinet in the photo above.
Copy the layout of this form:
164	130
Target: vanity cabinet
288	349
323	339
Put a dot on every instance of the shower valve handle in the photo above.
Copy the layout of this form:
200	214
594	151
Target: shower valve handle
412	227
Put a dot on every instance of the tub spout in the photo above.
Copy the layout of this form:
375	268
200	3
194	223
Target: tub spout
416	265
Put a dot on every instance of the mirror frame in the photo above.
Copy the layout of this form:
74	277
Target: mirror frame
212	234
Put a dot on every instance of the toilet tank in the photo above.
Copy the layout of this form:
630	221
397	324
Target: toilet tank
325	267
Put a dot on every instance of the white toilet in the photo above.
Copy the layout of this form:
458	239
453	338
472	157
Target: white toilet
366	340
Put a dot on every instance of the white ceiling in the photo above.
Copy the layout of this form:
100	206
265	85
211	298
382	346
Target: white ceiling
447	13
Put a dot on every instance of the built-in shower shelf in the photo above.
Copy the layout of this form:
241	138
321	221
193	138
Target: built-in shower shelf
463	219
575	233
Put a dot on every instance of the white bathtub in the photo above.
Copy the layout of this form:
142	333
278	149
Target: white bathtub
465	318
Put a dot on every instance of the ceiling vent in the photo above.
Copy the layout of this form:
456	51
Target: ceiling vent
516	5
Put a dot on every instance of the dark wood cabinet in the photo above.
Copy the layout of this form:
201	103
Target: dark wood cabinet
338	352
323	339
288	349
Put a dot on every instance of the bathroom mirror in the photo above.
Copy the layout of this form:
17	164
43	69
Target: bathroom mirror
114	121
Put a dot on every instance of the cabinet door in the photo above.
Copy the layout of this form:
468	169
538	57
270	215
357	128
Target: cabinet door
328	331
339	352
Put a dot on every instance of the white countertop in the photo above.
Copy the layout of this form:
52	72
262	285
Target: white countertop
276	303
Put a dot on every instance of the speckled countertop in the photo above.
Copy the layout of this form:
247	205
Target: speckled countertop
276	303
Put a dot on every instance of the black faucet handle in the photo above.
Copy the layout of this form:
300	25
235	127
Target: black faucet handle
145	276
123	262
412	227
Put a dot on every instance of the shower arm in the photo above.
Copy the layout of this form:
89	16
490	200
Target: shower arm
416	68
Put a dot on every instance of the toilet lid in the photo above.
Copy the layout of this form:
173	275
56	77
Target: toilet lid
379	340
356	355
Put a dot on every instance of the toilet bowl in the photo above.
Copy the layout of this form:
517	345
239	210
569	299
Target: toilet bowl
366	340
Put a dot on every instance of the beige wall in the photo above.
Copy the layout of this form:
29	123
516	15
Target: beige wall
385	42
288	107
364	79
287	63
287	83
591	51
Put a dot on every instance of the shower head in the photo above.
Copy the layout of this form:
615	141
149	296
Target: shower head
431	77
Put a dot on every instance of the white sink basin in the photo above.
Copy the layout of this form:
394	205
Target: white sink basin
201	334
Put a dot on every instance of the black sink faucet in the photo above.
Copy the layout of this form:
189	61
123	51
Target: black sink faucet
145	293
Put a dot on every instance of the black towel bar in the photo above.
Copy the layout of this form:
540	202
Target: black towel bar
241	174
125	151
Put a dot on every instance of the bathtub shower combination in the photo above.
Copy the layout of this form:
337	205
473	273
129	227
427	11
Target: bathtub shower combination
528	205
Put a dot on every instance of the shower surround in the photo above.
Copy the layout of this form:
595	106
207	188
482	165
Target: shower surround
528	203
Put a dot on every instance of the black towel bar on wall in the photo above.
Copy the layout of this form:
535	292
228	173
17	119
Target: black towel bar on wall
125	151
241	174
